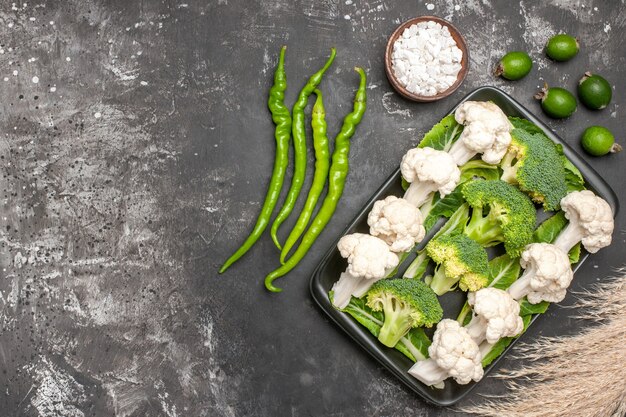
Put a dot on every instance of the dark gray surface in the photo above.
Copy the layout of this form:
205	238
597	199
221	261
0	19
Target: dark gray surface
113	227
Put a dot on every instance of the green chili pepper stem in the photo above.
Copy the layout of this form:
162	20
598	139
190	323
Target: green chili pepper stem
299	147
336	182
282	135
322	163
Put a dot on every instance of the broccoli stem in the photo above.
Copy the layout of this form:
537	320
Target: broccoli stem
520	288
428	372
569	237
397	323
418	266
461	153
418	192
482	229
509	171
440	283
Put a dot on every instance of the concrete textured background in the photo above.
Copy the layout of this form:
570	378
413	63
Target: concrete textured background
135	149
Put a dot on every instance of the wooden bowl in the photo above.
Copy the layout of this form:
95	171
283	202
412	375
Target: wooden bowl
460	42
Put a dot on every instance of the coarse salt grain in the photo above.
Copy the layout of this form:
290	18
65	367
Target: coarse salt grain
425	59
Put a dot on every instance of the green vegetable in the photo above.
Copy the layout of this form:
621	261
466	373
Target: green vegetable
503	271
556	102
514	66
445	207
573	178
414	345
461	260
527	125
299	147
322	164
442	135
336	182
598	141
282	120
503	343
549	230
419	265
534	163
478	168
594	91
500	213
406	303
562	47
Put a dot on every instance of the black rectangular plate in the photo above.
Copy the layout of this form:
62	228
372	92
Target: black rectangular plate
332	265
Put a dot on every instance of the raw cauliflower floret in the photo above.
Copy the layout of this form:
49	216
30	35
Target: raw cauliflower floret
590	221
547	274
369	260
397	222
453	353
487	131
454	350
428	170
368	256
496	315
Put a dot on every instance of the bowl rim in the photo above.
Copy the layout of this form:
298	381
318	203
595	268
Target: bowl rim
461	44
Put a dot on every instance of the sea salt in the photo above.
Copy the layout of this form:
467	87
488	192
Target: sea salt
425	59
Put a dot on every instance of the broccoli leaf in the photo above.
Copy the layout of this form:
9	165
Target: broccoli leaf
503	343
573	178
370	319
465	316
525	308
414	345
442	135
477	168
417	268
457	221
550	228
443	207
503	271
574	254
526	125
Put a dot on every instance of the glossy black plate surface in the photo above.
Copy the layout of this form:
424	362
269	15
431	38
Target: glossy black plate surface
333	264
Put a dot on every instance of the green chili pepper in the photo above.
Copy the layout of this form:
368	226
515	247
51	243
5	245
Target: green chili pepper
336	182
322	163
299	148
282	134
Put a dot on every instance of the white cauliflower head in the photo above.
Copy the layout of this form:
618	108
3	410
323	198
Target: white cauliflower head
397	222
456	352
428	170
496	314
591	221
487	131
547	274
368	256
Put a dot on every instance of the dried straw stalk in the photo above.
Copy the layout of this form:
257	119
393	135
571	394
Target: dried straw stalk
576	376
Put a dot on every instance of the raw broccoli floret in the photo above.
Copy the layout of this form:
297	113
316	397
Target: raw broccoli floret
500	213
534	163
406	303
460	260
